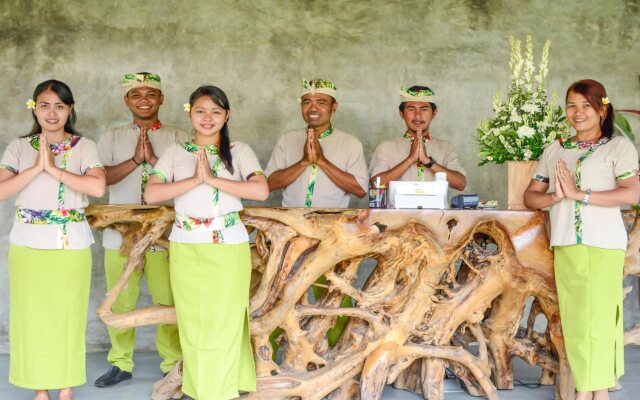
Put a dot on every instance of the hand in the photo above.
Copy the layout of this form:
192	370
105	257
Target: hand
39	165
197	174
559	193
422	151
47	156
414	153
567	181
149	154
309	152
138	156
207	175
317	149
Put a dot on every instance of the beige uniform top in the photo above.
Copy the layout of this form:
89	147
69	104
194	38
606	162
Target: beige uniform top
119	145
177	164
592	225
42	194
392	152
341	149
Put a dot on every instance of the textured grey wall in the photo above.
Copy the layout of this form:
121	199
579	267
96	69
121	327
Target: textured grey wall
259	50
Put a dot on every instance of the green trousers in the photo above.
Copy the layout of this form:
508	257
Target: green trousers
156	269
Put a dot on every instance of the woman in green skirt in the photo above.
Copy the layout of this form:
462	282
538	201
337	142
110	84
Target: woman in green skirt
50	171
210	262
584	180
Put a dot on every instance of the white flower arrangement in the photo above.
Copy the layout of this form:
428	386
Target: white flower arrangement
527	120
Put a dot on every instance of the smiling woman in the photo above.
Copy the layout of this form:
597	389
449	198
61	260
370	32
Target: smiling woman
584	180
51	170
210	252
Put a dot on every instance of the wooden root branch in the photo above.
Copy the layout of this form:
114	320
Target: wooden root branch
428	290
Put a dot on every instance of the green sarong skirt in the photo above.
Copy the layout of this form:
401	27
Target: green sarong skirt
210	285
49	295
589	282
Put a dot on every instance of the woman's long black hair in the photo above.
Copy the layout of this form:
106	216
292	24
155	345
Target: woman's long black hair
64	92
218	96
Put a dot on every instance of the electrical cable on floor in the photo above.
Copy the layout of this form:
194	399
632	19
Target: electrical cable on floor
449	374
530	385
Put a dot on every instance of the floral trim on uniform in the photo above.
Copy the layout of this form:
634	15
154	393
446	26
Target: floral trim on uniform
153	127
541	178
56	148
160	175
192	147
571	145
254	173
94	166
8	168
419	164
627	175
308	198
49	217
188	223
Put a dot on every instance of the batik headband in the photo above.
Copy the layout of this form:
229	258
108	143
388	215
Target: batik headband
132	81
423	95
318	86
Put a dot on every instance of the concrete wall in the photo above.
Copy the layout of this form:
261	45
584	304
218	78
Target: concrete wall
259	50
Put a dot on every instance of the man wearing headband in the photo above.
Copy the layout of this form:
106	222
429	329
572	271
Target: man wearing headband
416	156
319	166
129	153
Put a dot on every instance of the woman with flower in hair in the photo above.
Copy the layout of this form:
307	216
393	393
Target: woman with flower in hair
51	171
584	180
210	264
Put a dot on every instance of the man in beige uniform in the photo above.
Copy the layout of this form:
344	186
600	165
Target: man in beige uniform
318	166
407	159
129	154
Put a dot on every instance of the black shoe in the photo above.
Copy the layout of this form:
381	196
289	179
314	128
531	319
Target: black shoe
112	377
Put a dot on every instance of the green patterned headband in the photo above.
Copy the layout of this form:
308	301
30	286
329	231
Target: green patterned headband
319	86
132	81
423	95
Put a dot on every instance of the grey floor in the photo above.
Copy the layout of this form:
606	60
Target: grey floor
147	372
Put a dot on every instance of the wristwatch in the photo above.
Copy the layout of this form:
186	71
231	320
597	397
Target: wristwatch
430	163
585	200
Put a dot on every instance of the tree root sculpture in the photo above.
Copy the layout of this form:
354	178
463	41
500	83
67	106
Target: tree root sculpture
447	288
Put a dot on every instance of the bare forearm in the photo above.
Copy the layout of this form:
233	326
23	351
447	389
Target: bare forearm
90	184
157	192
285	177
14	183
255	188
616	197
118	172
342	179
538	200
394	174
